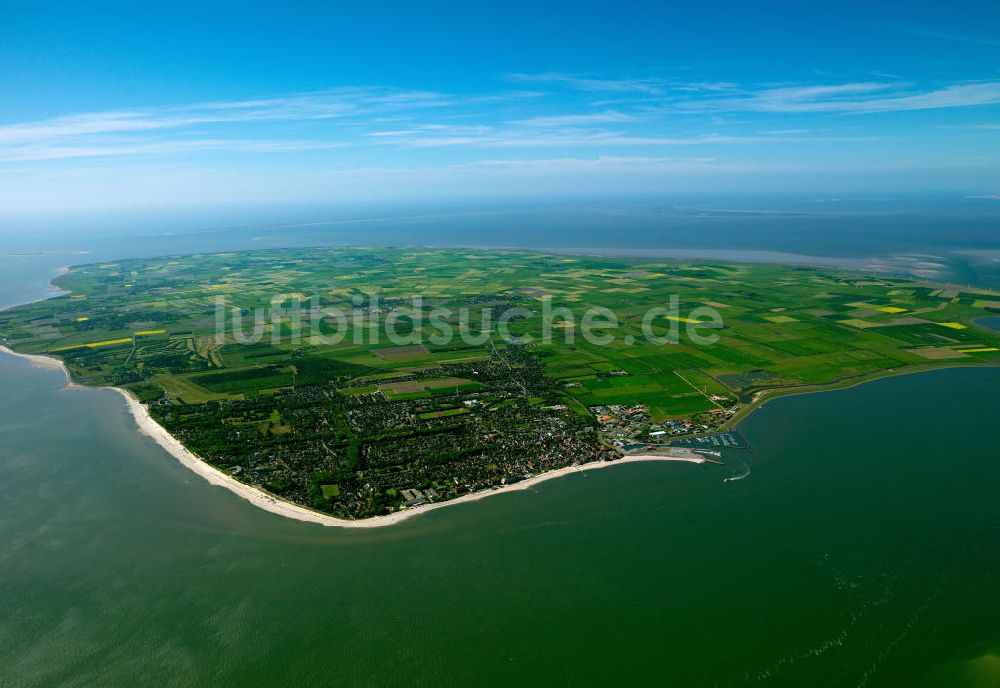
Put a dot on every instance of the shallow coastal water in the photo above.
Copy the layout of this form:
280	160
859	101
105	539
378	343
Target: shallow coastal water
951	239
992	322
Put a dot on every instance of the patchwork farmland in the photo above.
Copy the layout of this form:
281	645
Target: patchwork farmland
386	404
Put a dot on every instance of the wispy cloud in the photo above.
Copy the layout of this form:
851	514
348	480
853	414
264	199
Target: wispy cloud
642	168
154	148
380	123
630	162
862	97
575	120
174	130
596	138
720	96
927	32
650	86
335	104
436	129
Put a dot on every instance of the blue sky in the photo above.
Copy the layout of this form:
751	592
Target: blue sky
115	105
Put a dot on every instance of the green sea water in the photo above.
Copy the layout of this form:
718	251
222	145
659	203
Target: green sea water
863	549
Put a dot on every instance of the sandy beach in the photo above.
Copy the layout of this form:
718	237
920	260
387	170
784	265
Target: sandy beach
40	361
275	505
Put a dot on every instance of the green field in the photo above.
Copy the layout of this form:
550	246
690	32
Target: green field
380	400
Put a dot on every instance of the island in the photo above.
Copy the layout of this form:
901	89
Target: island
359	385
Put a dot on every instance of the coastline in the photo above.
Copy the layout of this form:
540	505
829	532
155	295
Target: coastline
268	502
275	505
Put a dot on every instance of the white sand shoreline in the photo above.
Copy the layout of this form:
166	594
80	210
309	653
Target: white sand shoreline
262	500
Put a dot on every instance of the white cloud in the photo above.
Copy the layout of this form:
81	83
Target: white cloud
574	120
629	163
650	86
655	86
334	104
174	147
925	32
864	97
588	138
391	141
439	129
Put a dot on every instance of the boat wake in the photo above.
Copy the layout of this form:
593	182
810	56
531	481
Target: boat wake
739	476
